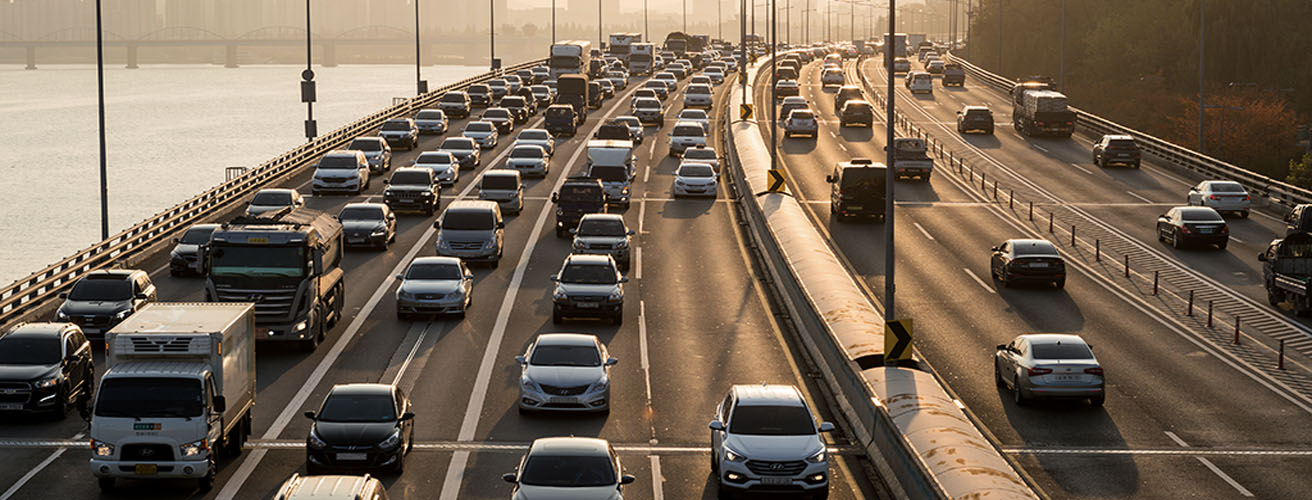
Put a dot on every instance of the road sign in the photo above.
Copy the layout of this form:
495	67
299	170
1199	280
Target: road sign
897	340
745	111
776	180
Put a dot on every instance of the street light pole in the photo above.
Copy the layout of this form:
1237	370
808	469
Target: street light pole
1061	72
1202	50
420	86
999	36
492	21
553	18
100	104
307	81
890	175
685	16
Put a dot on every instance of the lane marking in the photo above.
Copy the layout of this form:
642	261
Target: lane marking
646	172
657	492
923	231
1040	148
981	282
1237	240
411	355
637	263
1161	452
22	481
841	146
1136	195
1082	169
642	212
1211	466
642	348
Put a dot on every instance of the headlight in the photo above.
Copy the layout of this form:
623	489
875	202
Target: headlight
578	245
392	440
402	294
101	449
615	296
559	295
819	457
50	382
625	190
314	440
490	244
733	456
378	232
443	244
560	211
529	385
388	192
61	315
679	182
300	326
599	385
622	244
194	448
122	314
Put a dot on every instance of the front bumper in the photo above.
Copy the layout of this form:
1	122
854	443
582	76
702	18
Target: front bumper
29	400
350	186
541	401
738	476
370	239
332	458
690	190
432	129
149	470
284	332
471	255
393	140
588	309
182	264
410	204
449	304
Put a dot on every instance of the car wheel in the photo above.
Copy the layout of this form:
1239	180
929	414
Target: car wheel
1059	284
1017	395
723	492
821	495
207	483
1175	240
1243	214
402	315
60	411
496	262
556	317
1222	244
399	468
997	375
1136	165
1097	401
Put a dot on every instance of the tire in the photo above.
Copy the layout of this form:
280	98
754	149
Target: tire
1097	401
1136	165
618	318
493	264
399	467
1222	245
1175	240
560	232
1059	284
1102	164
1017	396
207	483
997	375
402	316
821	495
556	317
60	411
1243	214
723	492
1273	296
106	484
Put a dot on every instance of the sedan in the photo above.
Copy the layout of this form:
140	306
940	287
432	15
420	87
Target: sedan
576	468
1185	225
360	426
1224	196
431	121
695	179
465	149
270	199
695	116
543	95
1047	366
1016	261
634	124
658	87
565	372
188	255
537	137
785	88
715	75
833	77
791	103
369	224
482	132
801	122
702	154
444	165
434	285
529	159
502	117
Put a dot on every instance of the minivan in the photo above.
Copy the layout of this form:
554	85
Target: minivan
471	230
857	189
503	186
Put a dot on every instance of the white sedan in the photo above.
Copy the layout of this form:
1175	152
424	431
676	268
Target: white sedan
697	116
695	179
1222	196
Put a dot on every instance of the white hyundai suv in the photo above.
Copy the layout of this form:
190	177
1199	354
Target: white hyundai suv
764	438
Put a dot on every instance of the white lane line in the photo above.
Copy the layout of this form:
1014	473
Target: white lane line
1237	240
657	492
923	231
980	281
160	269
22	481
1085	170
642	212
1211	466
1136	195
642	348
637	263
410	356
646	173
1040	148
841	146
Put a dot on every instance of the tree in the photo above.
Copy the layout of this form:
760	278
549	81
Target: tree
1300	172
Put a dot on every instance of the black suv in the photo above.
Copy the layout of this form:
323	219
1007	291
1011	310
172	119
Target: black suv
480	96
1116	150
455	104
104	298
577	197
413	189
858	189
518	106
972	118
560	119
45	367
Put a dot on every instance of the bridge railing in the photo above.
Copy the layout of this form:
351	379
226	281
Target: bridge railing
38	290
1174	154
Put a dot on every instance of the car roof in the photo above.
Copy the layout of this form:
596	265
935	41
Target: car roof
574	339
794	98
1118	137
39	329
501	172
1018	245
613	217
363	204
361	389
588	259
768	395
480	205
578	446
1053	338
435	260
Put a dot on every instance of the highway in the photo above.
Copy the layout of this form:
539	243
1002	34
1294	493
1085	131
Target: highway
1169	386
696	322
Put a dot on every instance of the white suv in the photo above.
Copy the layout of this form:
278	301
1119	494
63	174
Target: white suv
341	171
697	96
686	134
764	437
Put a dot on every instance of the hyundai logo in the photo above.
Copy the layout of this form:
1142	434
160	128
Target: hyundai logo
147	452
776	467
255	297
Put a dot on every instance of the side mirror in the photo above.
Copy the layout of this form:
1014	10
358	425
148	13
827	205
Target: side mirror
555	197
612	361
996	249
309	414
1002	347
220	404
624	279
501	224
437	224
521	359
140	296
407	416
573	230
630	232
469	276
400	276
555	278
826	427
1261	257
386	182
627	478
176	240
716	425
63	295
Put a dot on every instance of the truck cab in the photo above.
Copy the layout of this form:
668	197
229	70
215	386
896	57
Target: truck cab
911	158
577	197
612	162
1286	269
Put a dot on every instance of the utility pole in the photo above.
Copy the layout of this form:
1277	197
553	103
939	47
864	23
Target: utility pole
788	22
420	85
100	104
492	18
890	175
1202	51
999	37
553	18
1061	72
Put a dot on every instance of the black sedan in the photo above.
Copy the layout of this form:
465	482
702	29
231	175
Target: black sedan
360	426
1185	225
1033	261
503	118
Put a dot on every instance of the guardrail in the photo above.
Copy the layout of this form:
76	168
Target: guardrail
38	289
1174	154
922	443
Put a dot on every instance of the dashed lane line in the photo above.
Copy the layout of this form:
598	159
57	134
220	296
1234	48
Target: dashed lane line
1211	466
981	282
22	481
923	231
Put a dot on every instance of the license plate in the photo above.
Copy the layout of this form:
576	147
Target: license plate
558	399
355	240
776	481
855	207
11	406
1205	230
147	469
1068	378
257	239
1038	264
588	305
352	456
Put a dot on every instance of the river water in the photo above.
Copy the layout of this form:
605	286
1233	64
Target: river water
170	132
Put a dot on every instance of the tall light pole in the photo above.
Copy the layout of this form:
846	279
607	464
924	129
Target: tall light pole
601	42
646	31
999	37
100	104
307	81
685	16
1202	51
492	21
421	87
788	22
1061	71
806	23
890	175
553	18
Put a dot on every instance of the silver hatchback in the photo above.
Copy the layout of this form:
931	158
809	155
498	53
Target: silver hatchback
1049	366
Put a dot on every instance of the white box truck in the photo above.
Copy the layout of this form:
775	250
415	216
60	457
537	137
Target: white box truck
177	392
570	57
612	162
641	57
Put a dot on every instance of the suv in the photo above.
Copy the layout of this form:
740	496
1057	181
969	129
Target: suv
686	135
101	299
1299	220
341	171
416	188
858	189
801	122
844	93
300	487
455	103
577	197
376	151
856	112
953	75
480	96
697	95
45	367
588	285
975	118
648	110
505	187
272	200
603	234
471	230
465	150
1116	149
560	119
400	131
519	108
749	427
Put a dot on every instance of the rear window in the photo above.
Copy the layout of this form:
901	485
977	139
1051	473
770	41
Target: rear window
559	112
1227	187
978	113
700	154
856	106
688	131
536	135
478	89
1200	215
1122	144
609	173
863	178
411	179
434	157
513	102
1061	351
499	182
1040	248
800	114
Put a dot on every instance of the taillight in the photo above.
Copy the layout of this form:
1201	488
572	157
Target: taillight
1214	197
1185	229
1093	371
1070	123
1040	371
1246	198
1225	228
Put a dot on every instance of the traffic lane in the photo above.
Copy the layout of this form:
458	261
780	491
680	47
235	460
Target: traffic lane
1113	476
483	477
689	476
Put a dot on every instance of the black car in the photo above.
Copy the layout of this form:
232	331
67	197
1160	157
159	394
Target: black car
503	118
104	298
595	95
1033	261
188	255
518	106
975	118
857	112
464	149
577	197
561	120
360	427
480	96
45	367
1116	150
1185	225
368	224
455	103
858	189
588	286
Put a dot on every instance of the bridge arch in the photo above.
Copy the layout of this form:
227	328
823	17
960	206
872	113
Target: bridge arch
182	33
277	33
374	32
78	34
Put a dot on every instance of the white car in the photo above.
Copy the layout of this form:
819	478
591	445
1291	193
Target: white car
832	76
697	95
757	426
696	115
565	372
484	133
270	199
920	81
934	66
1049	366
431	121
702	154
444	165
576	468
341	172
1222	196
537	137
686	135
668	79
715	74
529	160
695	179
434	285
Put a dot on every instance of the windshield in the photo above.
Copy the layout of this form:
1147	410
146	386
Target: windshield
408	178
358	408
430	114
197	236
527	152
333	163
473	220
453	97
427	158
458	144
513	102
149	397
696	171
1062	351
565	355
478	127
257	260
688	131
478	89
362	145
588	274
15	350
770	420
434	272
580	193
397	125
601	227
108	289
499	182
609	173
496	113
698	89
568	471
564	62
647	103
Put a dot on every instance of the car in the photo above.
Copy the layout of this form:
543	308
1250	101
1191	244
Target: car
273	199
857	189
480	95
784	88
444	164
1223	196
790	103
565	372
696	116
934	67
618	78
1299	219
45	368
431	121
103	298
701	80
1116	149
856	112
901	65
400	132
464	149
642	92
607	88
541	73
801	122
377	152
537	137
543	95
669	78
471	230
615	131
360	427
588	285
456	104
505	187
920	82
603	234
1184	225
338	171
529	159
483	132
498	88
1022	260
975	118
188	254
1049	366
432	286
702	154
418	188
697	95
926	55
662	91
518	106
686	134
844	93
649	111
695	179
527	76
716	75
561	119
832	77
596	95
577	468
748	433
501	117
331	487
954	75
368	224
634	124
513	82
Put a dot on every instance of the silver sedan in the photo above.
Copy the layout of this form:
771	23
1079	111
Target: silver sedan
565	372
434	285
1222	196
1049	366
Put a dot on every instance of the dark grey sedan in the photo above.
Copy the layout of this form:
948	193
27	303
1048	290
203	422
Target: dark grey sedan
368	224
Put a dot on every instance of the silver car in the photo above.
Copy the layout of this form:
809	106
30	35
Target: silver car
1048	365
482	132
434	285
565	372
604	234
443	164
504	187
702	154
537	137
1222	196
763	437
574	468
634	124
529	159
431	121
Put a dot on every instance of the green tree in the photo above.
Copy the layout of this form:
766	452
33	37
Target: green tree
1300	172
